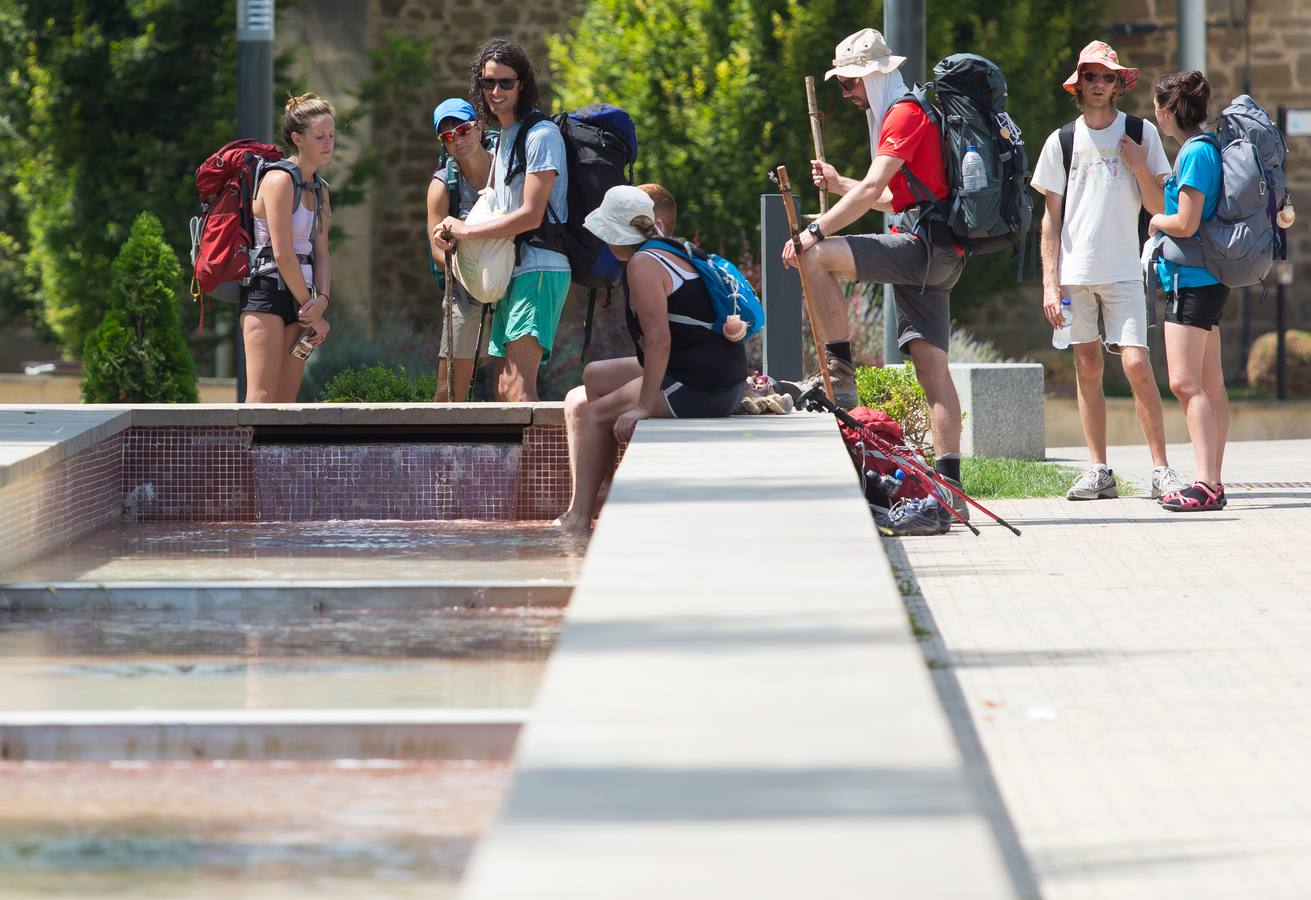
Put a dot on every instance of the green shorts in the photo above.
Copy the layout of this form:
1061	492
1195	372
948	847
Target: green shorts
531	306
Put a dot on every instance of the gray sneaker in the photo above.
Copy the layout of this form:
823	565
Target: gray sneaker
841	375
1166	480
1095	484
957	503
922	516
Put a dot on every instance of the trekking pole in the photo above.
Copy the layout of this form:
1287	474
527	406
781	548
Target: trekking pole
448	302
817	135
482	324
780	177
918	469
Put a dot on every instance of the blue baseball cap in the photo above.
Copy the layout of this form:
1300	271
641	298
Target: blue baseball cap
453	108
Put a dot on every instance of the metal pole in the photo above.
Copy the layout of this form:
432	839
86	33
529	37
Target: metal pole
1192	35
254	103
903	28
780	291
1281	320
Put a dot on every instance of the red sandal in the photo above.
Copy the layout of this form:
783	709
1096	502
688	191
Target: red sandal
1197	497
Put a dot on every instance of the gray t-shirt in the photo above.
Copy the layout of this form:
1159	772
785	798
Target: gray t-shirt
545	152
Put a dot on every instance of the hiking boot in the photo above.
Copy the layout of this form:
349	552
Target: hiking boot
1095	484
841	375
957	503
1166	480
925	515
1196	497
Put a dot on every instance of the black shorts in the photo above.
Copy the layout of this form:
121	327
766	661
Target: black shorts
689	403
1198	307
267	295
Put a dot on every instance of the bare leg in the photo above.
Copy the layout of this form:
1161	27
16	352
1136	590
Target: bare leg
1092	400
824	263
463	375
1146	400
1185	349
1213	382
293	367
518	381
264	337
944	404
599	378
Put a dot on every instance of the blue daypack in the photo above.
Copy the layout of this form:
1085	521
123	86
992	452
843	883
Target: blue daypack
730	292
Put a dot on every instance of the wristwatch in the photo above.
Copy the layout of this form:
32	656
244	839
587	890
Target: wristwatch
813	228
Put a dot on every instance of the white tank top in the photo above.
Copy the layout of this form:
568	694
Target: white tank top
302	223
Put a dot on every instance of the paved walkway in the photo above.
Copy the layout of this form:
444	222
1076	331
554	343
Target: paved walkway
1138	682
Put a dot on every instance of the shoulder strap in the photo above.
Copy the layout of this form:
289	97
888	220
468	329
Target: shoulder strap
1133	127
518	163
1066	137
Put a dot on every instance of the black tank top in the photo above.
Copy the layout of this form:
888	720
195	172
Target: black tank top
698	357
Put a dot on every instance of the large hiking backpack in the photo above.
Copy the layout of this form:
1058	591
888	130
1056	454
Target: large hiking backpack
970	110
871	462
1240	243
600	150
730	292
223	235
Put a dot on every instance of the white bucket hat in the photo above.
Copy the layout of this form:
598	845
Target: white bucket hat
861	54
617	220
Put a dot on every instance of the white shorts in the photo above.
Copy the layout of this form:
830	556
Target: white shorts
1123	306
465	313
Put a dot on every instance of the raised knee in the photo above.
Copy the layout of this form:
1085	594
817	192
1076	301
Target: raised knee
575	402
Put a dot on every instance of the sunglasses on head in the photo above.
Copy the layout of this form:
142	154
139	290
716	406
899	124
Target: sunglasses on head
458	131
505	84
847	84
1104	77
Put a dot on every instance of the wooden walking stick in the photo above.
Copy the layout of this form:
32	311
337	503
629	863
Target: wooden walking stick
817	135
449	302
816	332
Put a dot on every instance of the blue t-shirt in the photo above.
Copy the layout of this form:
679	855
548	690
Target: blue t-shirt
545	152
1197	167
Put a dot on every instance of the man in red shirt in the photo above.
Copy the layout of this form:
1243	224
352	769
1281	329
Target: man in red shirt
921	260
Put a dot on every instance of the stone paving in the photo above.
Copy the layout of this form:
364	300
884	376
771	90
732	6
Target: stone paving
1133	683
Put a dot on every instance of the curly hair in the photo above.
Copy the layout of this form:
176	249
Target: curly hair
508	54
1187	95
299	112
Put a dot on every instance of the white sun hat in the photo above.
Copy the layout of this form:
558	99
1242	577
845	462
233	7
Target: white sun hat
861	54
618	220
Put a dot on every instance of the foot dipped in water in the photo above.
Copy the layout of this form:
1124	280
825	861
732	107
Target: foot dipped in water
572	523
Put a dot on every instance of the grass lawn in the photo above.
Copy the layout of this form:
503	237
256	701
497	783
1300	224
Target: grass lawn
995	477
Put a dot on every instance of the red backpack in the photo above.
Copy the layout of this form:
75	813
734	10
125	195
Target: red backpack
223	235
867	457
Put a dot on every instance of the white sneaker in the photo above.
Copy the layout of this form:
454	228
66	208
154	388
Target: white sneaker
1095	484
1166	480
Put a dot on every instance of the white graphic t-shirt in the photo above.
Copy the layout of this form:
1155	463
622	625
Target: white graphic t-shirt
1099	235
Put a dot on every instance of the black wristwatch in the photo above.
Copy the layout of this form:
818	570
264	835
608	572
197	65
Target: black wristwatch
813	228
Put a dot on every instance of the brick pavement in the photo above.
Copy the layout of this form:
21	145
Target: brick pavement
1137	681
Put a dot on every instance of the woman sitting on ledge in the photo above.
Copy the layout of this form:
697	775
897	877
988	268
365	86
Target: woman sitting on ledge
680	370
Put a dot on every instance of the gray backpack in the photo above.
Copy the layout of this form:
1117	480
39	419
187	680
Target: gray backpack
1239	244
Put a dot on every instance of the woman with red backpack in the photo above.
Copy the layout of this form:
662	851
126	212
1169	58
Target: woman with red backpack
282	307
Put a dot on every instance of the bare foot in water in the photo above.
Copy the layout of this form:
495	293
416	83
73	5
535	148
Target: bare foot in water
571	523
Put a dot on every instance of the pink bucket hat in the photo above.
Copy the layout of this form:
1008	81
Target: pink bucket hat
1100	52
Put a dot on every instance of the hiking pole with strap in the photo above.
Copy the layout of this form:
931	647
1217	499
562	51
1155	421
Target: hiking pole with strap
909	464
482	324
817	136
780	177
448	303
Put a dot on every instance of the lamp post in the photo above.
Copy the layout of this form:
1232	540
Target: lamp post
254	102
903	27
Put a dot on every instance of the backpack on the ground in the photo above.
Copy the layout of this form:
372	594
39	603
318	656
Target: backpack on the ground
223	235
871	462
600	144
970	110
1240	243
730	292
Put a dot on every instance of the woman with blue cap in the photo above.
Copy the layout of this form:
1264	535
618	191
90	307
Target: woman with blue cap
463	166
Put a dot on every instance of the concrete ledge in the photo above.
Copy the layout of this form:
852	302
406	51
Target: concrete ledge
737	707
1003	406
33	438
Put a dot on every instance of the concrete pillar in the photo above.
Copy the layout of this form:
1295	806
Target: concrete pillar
903	28
1192	35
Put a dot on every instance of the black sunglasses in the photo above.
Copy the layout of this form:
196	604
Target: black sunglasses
505	84
1104	77
847	84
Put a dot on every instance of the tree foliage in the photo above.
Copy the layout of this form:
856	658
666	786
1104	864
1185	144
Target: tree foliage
716	90
137	353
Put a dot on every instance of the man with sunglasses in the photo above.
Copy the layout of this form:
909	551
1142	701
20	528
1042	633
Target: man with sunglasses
921	261
503	89
463	166
1096	175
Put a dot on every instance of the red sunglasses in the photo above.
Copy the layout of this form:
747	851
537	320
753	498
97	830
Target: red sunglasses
458	131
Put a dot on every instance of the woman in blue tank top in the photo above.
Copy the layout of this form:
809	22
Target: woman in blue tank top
680	370
1195	300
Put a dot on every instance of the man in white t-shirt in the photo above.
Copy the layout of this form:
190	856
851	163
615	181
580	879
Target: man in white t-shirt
1096	174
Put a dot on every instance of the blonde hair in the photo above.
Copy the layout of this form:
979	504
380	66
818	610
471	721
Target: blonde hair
666	209
299	112
645	225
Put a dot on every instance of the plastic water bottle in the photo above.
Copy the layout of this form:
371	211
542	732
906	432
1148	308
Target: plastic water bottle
973	175
893	483
1061	336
